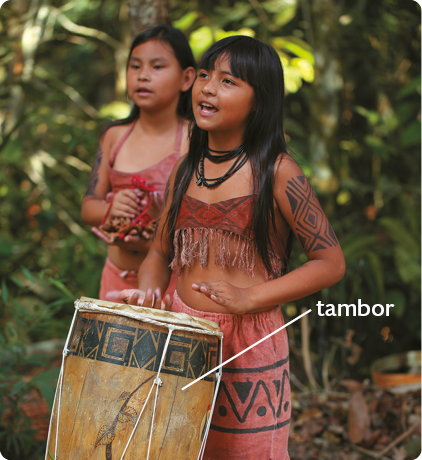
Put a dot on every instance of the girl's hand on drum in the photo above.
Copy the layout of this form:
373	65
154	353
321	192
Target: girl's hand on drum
141	298
129	296
153	300
128	203
235	299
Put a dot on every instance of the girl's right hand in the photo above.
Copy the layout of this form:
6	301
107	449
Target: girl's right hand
150	298
128	203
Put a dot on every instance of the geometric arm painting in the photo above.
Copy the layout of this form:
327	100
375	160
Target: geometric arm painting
313	230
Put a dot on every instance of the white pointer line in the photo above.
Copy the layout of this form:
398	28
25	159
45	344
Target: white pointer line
246	349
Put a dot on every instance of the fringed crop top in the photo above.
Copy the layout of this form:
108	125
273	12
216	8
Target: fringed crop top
200	226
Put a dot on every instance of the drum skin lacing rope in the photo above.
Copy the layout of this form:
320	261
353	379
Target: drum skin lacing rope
219	374
158	382
59	390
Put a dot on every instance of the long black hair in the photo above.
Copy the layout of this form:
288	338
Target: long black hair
259	65
181	49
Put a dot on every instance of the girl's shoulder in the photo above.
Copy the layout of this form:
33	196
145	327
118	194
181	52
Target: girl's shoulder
286	167
111	137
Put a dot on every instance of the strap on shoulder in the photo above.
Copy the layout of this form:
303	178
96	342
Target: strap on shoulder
120	143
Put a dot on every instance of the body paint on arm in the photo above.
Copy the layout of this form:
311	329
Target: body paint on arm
93	178
312	227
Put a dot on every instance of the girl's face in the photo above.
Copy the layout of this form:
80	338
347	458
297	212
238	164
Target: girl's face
222	102
155	78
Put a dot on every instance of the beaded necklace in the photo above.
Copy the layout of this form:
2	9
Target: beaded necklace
241	159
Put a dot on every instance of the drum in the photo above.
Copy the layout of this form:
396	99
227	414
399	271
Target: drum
119	394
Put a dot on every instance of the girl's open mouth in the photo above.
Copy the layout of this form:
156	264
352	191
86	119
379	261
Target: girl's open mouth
207	109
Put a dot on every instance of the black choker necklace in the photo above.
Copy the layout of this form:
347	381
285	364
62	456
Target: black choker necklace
230	154
240	161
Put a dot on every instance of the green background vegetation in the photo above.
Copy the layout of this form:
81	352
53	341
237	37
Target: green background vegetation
352	120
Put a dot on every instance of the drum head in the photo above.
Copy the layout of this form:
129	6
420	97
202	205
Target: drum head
146	314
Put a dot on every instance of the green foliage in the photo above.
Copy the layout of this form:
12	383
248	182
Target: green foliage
48	257
261	20
32	309
60	82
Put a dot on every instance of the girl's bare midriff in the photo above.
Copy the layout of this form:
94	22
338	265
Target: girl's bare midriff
130	260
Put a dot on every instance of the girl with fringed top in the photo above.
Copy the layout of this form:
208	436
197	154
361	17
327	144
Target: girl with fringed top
232	206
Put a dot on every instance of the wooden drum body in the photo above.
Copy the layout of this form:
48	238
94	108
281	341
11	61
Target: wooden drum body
119	396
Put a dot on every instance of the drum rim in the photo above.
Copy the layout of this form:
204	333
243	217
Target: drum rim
139	313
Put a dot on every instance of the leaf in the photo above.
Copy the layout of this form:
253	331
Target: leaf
413	446
17	387
4	290
414	86
47	392
200	40
406	111
16	281
12	152
357	246
350	385
235	13
411	135
358	417
185	21
28	274
295	46
61	286
285	15
408	264
371	116
105	436
399	234
46	382
312	413
128	414
398	299
377	271
305	68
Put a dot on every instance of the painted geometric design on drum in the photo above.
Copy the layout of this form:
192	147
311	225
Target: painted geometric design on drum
249	401
126	414
142	348
312	227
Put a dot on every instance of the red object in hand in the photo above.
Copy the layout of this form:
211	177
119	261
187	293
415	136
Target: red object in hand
143	218
141	222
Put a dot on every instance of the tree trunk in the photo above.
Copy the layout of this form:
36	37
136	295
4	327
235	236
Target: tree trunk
147	13
324	104
26	36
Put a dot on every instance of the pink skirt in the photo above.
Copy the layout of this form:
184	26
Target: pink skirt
252	413
114	278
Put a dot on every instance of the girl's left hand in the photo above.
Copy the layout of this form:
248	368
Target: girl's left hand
236	300
148	299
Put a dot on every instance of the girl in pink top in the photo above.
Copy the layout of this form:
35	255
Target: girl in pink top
141	149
